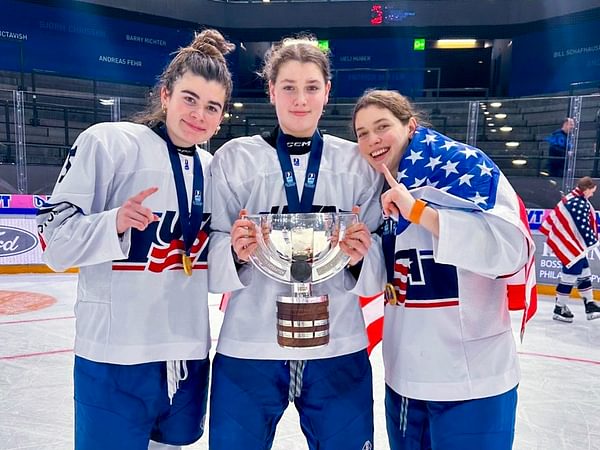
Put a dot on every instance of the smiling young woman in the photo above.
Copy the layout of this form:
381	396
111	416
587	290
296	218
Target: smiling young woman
129	209
331	385
451	367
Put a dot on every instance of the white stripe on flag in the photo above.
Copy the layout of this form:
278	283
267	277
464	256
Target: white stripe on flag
373	310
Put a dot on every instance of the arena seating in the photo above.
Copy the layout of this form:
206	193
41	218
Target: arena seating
57	109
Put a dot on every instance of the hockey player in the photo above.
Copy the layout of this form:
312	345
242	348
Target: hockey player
572	232
451	367
253	377
131	209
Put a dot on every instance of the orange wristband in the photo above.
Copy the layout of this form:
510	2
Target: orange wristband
417	211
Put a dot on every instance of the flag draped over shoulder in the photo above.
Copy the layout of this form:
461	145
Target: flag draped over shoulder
450	174
521	287
571	228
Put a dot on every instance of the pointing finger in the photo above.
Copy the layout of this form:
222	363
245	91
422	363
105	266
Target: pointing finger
388	176
143	195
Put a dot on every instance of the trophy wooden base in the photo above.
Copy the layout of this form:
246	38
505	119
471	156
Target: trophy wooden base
303	322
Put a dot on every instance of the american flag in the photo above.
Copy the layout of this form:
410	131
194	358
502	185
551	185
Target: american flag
571	228
449	173
458	169
372	310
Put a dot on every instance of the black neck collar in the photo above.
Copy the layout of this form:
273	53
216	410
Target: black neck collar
295	145
186	151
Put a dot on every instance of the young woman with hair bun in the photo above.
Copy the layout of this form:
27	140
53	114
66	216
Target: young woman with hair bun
131	209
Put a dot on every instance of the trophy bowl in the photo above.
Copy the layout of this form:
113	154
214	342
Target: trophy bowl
300	250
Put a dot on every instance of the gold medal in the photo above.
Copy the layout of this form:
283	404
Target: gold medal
390	294
187	265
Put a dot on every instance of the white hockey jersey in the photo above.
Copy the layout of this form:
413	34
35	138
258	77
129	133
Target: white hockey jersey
134	302
448	336
246	174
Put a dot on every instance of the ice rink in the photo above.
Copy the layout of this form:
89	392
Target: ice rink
559	396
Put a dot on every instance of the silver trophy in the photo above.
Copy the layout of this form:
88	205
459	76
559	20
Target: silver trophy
301	250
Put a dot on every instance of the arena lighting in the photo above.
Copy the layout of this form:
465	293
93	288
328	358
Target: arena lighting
323	44
106	101
544	173
500	116
490	124
226	115
519	162
456	43
493	130
238	105
419	44
495	104
506	129
486	112
488	118
512	144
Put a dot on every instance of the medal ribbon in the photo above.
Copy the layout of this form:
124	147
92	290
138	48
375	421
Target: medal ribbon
295	205
389	230
190	221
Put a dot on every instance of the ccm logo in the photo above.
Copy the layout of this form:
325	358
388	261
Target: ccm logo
299	144
14	241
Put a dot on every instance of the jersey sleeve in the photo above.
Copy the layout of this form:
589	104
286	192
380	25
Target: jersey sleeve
479	242
75	226
223	274
371	280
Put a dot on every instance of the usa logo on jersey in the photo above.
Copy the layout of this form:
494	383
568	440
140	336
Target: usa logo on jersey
160	247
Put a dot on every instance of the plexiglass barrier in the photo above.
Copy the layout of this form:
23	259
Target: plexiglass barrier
37	131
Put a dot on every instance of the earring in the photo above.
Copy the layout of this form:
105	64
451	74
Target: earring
164	110
217	130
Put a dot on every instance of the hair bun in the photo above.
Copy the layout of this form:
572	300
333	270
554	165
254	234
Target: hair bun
212	43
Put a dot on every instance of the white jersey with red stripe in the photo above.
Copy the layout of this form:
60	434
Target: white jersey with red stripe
448	334
134	302
246	174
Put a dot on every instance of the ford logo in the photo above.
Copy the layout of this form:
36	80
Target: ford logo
14	241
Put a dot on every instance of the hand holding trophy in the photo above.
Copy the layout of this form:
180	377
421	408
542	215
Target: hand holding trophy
300	250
